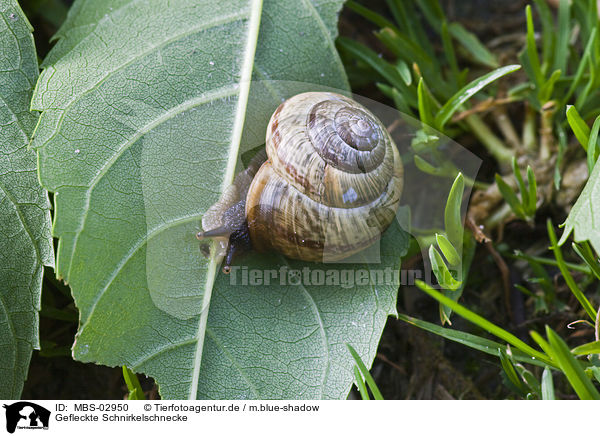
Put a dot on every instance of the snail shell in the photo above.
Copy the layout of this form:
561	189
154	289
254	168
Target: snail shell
330	186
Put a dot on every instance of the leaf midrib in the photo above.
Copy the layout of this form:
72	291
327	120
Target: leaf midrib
244	85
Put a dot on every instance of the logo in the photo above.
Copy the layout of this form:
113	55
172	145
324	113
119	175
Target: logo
26	415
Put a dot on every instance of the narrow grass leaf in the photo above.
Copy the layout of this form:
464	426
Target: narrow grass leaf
360	384
366	374
563	34
452	215
580	67
572	369
371	58
585	303
522	189
432	12
511	373
447	249
532	383
585	252
483	323
548	31
425	106
427	168
133	385
546	90
405	48
547	385
410	23
531	50
370	15
468	253
592	146
399	98
468	91
443	275
473	46
404	71
449	53
470	340
531	206
589	348
579	127
510	197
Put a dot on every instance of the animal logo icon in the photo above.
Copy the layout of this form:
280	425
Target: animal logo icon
26	415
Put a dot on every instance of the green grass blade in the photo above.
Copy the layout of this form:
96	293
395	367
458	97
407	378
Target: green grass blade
399	98
585	252
366	374
585	303
404	71
404	48
510	197
548	31
450	54
473	46
589	348
592	146
546	90
472	88
572	369
579	127
410	23
447	249
133	385
443	275
563	35
580	67
547	385
371	58
470	340
532	194
427	168
360	384
370	15
522	189
484	323
452	215
511	373
530	381
433	13
425	106
531	50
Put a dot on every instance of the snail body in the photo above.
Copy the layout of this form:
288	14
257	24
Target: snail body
328	186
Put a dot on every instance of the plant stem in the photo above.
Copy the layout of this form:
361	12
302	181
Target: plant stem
547	143
506	127
490	141
529	129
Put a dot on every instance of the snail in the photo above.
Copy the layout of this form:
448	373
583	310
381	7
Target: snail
327	187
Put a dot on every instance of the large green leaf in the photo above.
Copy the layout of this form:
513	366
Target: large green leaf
24	207
584	218
146	109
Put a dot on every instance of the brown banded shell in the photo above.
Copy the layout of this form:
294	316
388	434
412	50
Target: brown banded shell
332	181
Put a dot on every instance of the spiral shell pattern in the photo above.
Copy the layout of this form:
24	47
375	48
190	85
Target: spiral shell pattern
332	181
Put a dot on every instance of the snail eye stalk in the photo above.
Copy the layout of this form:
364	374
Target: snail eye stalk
239	243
